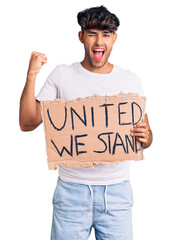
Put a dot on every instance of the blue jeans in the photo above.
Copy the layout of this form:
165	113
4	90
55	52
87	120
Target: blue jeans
79	207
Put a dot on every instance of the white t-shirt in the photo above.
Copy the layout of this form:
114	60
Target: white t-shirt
74	81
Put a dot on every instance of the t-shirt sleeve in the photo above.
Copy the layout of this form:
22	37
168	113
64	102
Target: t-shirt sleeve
138	85
139	88
51	88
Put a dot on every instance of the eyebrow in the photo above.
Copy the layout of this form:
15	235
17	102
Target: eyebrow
106	31
92	32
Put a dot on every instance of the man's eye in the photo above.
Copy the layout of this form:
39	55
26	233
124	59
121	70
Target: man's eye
106	35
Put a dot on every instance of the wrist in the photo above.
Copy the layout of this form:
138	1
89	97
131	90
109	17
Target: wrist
31	76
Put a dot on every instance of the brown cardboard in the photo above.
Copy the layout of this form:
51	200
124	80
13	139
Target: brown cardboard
92	130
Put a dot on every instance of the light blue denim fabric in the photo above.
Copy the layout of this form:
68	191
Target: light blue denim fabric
79	207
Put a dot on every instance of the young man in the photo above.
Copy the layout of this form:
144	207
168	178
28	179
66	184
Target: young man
101	196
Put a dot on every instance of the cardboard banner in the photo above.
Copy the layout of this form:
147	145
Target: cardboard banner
92	130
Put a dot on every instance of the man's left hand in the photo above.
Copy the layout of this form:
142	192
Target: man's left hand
142	132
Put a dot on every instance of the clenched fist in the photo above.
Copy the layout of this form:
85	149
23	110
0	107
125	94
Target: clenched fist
37	60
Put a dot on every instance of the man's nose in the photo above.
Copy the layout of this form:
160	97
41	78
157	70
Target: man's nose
99	40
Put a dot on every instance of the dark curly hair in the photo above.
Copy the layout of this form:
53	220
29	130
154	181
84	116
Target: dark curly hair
98	18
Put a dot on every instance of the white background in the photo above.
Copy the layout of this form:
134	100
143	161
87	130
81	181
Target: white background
144	46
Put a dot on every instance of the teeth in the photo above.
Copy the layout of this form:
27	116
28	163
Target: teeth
98	50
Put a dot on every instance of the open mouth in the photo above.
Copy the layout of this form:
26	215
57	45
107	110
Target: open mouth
98	54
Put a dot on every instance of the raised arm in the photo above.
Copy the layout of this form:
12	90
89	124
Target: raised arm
30	111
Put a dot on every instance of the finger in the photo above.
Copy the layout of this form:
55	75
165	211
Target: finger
41	59
43	62
139	130
143	140
39	54
143	135
43	55
142	124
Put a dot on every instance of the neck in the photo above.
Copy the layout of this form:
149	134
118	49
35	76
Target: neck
106	68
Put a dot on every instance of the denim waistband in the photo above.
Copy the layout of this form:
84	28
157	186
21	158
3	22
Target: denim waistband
92	193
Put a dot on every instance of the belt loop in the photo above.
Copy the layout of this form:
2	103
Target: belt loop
105	199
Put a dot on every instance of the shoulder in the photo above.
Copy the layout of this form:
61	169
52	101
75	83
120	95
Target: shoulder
126	72
64	68
131	79
60	69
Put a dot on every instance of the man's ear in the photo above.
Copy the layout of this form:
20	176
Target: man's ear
80	35
114	37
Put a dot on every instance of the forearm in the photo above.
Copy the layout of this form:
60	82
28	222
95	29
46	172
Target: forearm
28	110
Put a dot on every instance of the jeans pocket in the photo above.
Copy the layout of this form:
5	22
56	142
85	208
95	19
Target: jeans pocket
120	196
130	193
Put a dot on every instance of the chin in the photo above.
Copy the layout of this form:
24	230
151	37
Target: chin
98	64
